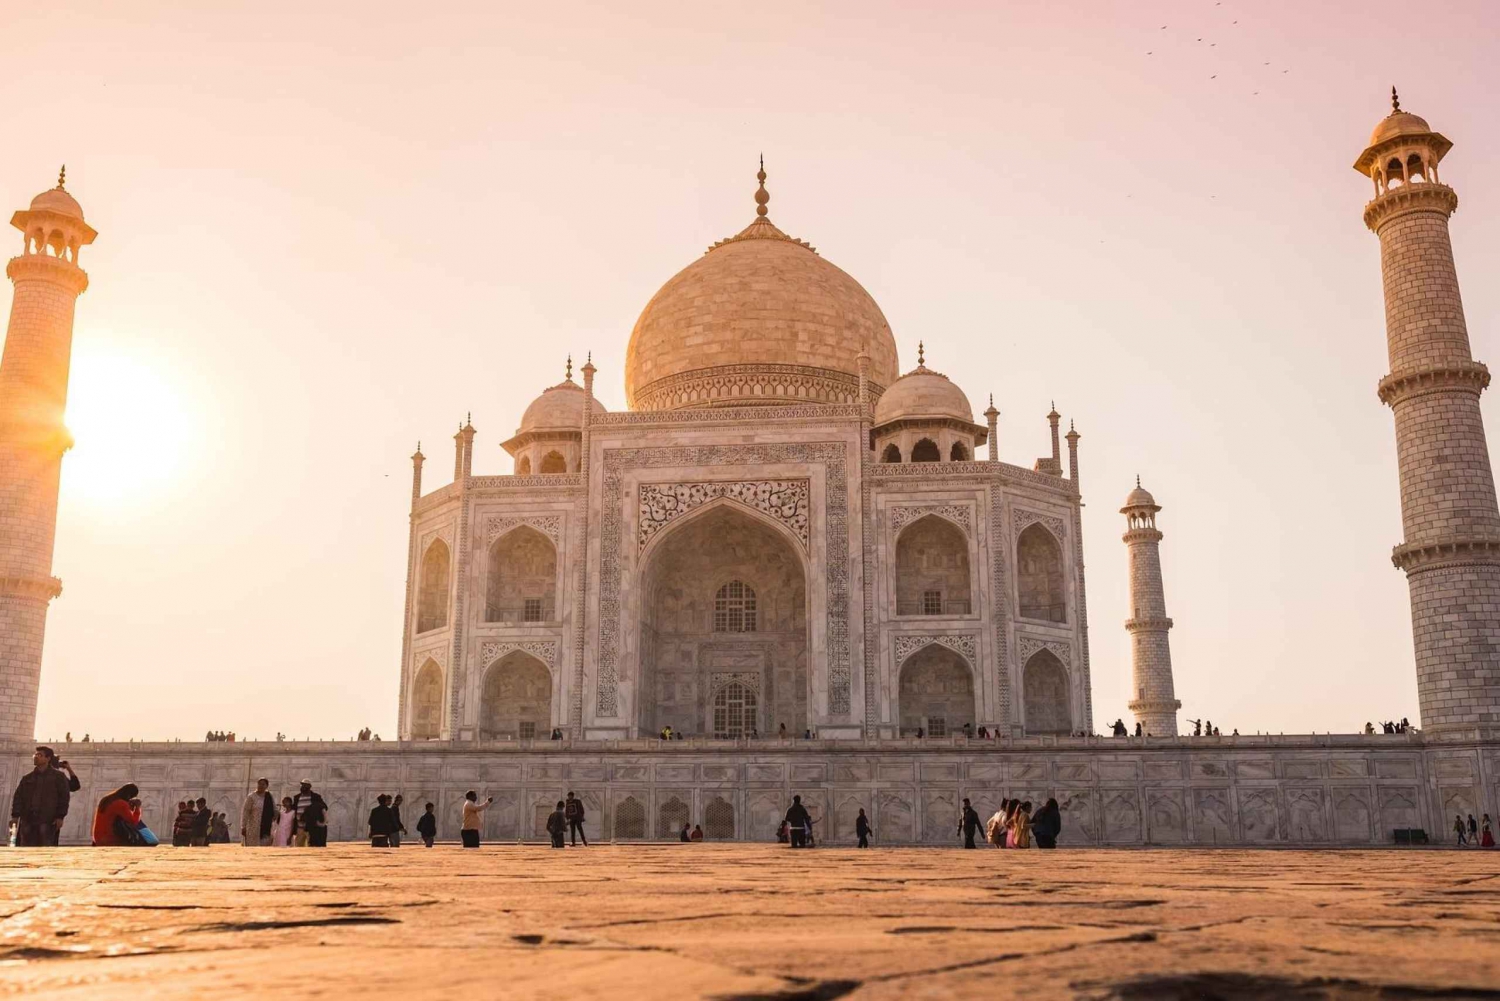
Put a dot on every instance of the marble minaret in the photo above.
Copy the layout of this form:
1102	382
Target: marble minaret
33	392
1155	704
1451	551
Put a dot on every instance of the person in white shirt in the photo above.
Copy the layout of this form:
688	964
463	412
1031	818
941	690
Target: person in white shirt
473	810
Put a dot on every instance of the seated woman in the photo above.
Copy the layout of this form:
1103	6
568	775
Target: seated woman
115	821
697	834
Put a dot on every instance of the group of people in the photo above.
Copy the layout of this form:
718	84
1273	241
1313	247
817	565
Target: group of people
1014	825
1390	727
1474	834
366	734
219	737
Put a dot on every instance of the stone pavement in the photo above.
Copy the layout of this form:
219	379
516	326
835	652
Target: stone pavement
747	922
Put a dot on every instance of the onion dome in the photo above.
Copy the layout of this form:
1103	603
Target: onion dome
58	200
559	408
1140	497
923	393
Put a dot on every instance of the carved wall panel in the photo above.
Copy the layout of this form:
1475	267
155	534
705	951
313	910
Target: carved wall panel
964	644
903	515
662	503
549	525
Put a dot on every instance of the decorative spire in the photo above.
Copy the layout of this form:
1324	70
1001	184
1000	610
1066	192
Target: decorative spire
921	354
1395	104
568	375
761	196
62	177
1138	475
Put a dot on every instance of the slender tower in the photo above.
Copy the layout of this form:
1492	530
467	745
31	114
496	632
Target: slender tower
33	392
1451	553
1155	704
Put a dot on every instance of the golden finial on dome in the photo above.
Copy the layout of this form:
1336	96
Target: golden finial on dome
62	177
1395	100
761	196
921	354
568	375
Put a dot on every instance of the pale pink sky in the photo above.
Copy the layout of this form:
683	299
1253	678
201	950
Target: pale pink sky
328	230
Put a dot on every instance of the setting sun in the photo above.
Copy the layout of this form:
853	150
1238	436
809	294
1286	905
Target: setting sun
130	423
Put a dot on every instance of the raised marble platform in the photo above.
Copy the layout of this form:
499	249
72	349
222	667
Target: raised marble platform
1249	790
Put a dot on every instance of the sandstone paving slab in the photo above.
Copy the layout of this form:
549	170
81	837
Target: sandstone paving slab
748	921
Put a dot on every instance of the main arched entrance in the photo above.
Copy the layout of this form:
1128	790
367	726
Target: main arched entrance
724	647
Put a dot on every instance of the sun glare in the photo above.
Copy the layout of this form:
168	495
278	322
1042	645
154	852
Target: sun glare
130	424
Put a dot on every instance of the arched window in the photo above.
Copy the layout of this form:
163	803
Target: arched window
1045	688
516	699
1039	575
630	819
891	454
936	692
521	585
734	608
926	450
553	462
523	466
670	818
932	569
432	596
958	453
718	820
734	711
426	702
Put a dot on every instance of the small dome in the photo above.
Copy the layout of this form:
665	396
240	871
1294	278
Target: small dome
559	408
59	201
923	393
1399	123
1140	497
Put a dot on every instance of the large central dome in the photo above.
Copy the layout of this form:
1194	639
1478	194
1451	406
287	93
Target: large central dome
760	318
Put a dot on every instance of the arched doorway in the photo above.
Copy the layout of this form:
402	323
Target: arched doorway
1039	575
936	692
1044	686
426	702
521	584
724	603
432	596
516	699
932	568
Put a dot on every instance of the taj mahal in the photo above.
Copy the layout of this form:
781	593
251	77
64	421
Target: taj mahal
804	559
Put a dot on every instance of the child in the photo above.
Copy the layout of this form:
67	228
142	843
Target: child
427	826
557	824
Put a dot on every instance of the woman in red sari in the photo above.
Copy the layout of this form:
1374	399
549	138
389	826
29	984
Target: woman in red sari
114	808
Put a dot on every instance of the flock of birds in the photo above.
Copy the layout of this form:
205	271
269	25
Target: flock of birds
1214	45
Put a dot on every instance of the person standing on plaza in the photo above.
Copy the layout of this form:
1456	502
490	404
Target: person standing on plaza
382	822
115	820
968	823
427	826
1047	825
1473	830
258	816
182	825
40	805
202	820
397	827
557	824
1486	836
862	828
1458	828
311	813
798	820
473	811
1020	826
286	822
574	812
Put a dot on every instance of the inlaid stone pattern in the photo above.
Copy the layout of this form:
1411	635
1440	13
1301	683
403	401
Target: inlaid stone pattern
903	515
964	644
543	650
549	525
1022	520
1027	646
750	679
785	500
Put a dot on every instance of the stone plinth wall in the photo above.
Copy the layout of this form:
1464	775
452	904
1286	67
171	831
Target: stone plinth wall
1349	790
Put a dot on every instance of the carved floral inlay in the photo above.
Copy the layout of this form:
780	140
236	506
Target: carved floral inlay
662	503
1027	646
549	525
956	513
963	644
1022	520
437	654
750	679
543	650
444	532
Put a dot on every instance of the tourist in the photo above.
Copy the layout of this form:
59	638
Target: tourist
40	805
219	829
984	733
312	817
557	733
1369	728
994	828
968	731
1486	836
473	810
427	826
685	835
1020	826
574	814
115	822
1473	831
1047	825
382	823
1137	729
397	828
1458	828
182	825
781	732
286	822
258	816
202	819
1119	728
697	834
968	823
557	824
798	821
862	828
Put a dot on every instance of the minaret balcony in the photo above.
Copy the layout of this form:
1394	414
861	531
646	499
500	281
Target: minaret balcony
1443	553
1419	197
1468	376
44	267
1160	624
